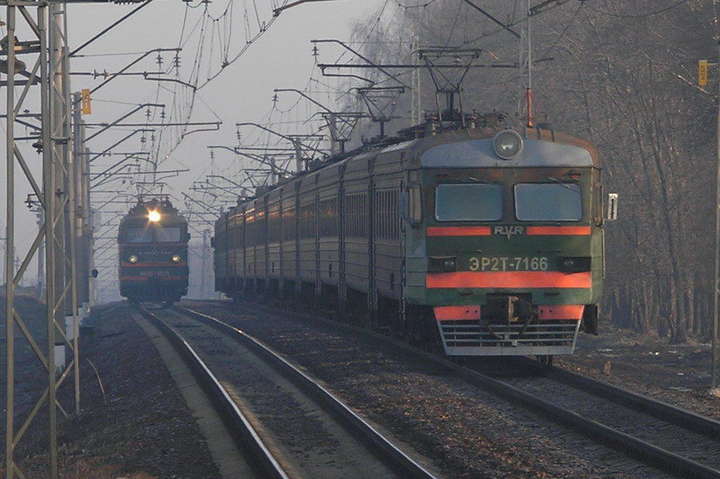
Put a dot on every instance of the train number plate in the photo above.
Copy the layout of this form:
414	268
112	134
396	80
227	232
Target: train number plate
508	263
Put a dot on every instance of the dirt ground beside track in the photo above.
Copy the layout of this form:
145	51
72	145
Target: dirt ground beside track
677	374
137	428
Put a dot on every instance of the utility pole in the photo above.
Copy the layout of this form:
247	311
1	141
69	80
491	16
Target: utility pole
417	73
716	283
703	71
203	269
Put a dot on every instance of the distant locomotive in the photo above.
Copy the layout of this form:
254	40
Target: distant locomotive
153	246
488	239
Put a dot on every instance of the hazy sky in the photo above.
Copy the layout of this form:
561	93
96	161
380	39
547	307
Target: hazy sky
282	58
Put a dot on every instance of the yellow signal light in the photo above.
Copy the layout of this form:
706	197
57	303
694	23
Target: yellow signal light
85	102
703	72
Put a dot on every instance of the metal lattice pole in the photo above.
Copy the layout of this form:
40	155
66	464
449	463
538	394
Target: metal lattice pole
9	243
55	194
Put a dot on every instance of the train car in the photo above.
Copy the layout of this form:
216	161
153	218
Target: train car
485	240
153	247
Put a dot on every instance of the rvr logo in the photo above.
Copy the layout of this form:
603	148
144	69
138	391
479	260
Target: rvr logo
509	231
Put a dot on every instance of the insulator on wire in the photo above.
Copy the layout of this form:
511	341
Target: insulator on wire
159	60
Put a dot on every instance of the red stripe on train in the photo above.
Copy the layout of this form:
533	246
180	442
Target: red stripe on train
457	313
508	279
559	231
561	311
147	278
152	265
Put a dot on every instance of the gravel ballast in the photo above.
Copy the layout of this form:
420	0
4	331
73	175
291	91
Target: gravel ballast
138	428
468	432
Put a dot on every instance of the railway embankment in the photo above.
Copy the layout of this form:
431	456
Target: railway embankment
645	363
134	422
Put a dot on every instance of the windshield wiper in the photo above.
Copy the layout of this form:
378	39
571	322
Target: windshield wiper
472	179
564	184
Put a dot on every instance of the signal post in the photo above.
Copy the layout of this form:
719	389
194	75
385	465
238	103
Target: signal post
703	75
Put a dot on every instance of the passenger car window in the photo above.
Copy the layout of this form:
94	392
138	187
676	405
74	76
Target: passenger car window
468	202
548	202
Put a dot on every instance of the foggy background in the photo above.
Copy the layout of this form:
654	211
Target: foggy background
243	91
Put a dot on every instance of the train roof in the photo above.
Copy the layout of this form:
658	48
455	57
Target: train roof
475	148
468	148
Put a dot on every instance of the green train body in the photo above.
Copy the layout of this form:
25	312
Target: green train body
436	237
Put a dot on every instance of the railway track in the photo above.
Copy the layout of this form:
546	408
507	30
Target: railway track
658	434
254	451
290	423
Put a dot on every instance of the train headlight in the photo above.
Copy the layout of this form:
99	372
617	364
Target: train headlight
154	216
133	259
508	144
176	259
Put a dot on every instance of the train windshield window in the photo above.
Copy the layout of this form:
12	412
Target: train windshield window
548	202
138	235
167	234
468	202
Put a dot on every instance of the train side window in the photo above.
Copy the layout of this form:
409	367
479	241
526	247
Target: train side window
387	215
328	217
356	215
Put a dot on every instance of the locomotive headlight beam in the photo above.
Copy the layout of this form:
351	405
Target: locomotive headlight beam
133	259
176	259
154	216
508	144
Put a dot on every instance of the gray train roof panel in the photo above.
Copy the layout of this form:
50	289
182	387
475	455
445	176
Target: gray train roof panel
480	154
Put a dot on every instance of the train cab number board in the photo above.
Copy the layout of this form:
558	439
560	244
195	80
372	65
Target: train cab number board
508	263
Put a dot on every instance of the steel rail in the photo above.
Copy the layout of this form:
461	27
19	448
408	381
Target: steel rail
654	407
239	425
642	450
405	465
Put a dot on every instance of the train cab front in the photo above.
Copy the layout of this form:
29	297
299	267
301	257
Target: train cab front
513	247
153	273
153	258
